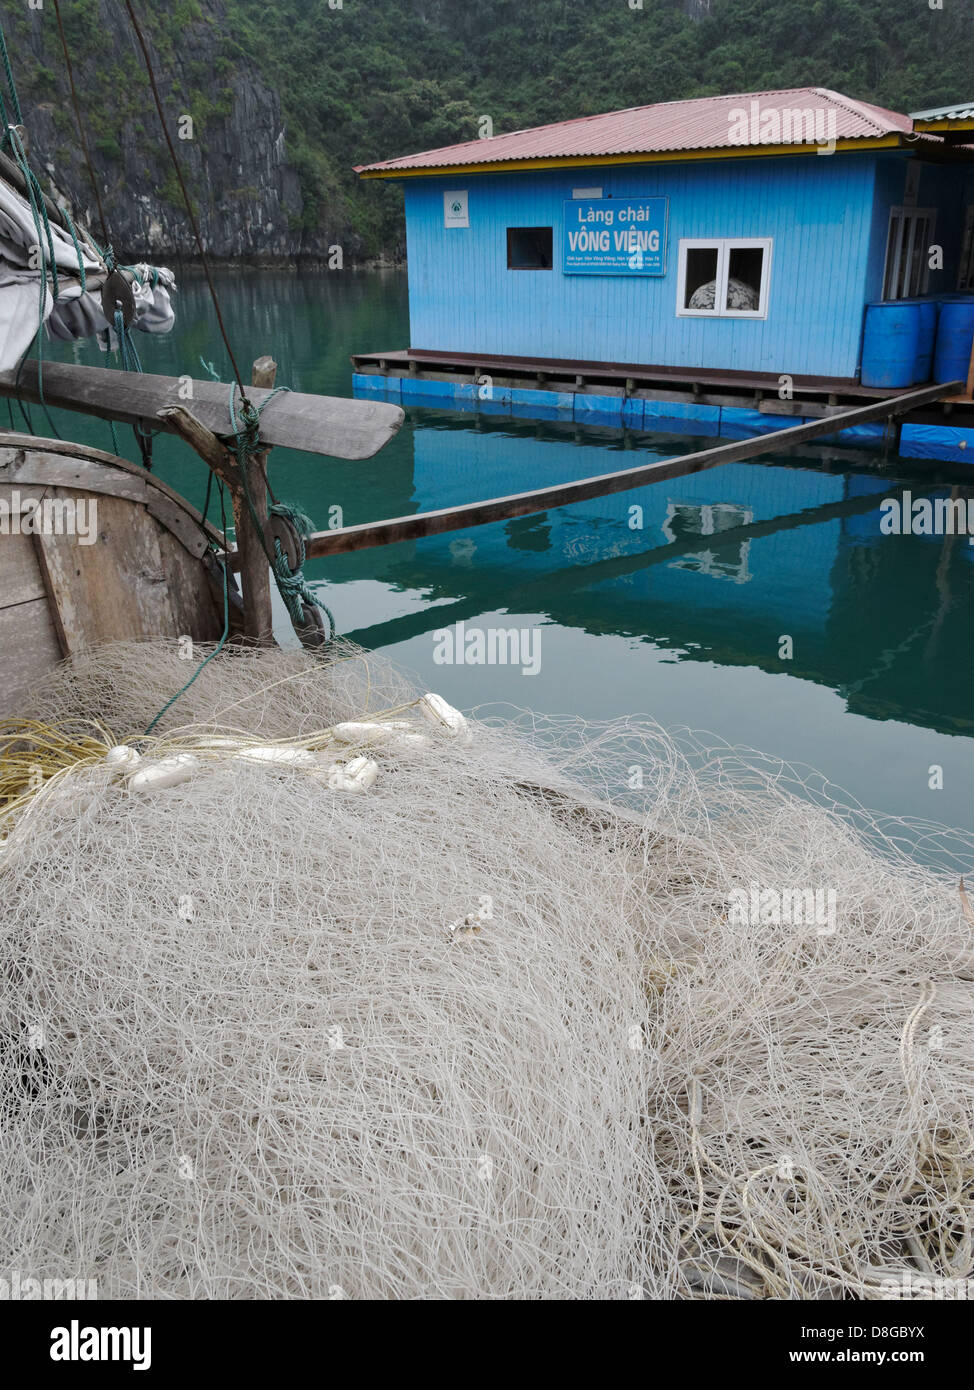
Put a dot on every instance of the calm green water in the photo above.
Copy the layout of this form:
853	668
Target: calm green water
682	618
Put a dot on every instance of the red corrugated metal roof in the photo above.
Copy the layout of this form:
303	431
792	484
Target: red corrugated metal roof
705	123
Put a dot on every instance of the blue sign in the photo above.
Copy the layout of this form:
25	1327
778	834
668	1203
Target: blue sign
615	236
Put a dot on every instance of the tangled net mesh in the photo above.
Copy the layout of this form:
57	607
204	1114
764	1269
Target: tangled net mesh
495	1027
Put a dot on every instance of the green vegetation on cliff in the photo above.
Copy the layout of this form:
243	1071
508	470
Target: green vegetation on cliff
378	78
361	80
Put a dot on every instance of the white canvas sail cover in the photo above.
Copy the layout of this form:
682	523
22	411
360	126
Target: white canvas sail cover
76	313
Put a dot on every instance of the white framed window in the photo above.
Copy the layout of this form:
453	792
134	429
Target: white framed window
911	234
727	277
965	276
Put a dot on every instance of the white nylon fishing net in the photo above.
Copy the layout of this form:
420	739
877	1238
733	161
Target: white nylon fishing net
502	1023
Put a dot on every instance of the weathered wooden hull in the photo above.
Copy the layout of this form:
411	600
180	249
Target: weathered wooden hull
146	568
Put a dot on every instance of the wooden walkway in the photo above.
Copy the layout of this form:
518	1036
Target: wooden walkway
558	373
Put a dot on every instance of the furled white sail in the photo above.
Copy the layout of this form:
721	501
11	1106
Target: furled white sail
76	312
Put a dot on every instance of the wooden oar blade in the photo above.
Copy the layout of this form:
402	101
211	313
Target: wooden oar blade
332	425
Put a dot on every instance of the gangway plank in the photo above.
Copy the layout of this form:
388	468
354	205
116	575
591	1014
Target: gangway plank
410	528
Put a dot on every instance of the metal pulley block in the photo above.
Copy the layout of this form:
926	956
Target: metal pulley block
279	528
314	632
117	294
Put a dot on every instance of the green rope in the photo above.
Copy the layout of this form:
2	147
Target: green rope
292	585
131	362
77	246
38	214
10	78
43	232
38	209
5	120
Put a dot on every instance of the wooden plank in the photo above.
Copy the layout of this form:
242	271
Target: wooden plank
346	429
544	592
197	611
12	445
407	528
30	649
84	475
178	523
20	578
13	440
21	497
87	476
112	590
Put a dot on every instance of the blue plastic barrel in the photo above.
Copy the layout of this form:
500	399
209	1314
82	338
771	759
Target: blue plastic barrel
955	337
929	316
891	344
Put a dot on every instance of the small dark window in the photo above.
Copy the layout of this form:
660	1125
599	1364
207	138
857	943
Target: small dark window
745	270
529	248
701	277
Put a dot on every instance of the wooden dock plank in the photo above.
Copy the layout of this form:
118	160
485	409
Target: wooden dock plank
468	363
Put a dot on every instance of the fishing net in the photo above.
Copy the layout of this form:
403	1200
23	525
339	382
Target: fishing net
366	1001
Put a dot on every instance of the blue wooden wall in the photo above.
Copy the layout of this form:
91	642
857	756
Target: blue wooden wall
819	210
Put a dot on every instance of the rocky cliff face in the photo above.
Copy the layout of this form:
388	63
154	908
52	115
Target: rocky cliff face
247	196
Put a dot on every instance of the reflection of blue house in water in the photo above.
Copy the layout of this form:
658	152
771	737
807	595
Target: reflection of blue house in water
688	255
716	566
696	516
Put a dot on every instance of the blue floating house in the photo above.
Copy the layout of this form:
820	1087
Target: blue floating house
727	261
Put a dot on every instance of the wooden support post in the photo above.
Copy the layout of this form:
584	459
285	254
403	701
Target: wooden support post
252	562
264	373
255	574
